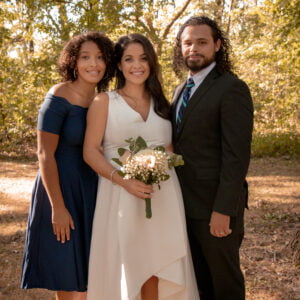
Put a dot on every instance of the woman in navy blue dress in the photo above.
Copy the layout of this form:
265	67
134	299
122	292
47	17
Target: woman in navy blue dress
60	220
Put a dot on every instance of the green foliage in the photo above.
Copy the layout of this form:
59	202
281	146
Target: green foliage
276	144
264	35
267	56
117	161
121	151
136	145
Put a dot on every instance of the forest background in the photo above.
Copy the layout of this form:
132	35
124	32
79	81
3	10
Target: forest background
265	37
265	41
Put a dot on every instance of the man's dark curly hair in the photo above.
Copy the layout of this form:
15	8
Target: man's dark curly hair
223	62
68	57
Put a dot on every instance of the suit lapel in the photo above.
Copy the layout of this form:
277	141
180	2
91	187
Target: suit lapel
197	96
176	97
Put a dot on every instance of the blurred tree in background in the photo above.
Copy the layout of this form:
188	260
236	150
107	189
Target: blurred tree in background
264	35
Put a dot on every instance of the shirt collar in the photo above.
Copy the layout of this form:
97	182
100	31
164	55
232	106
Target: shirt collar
200	76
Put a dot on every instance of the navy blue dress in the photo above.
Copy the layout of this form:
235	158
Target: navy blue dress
48	263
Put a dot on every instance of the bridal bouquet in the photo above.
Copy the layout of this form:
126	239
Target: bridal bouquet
149	165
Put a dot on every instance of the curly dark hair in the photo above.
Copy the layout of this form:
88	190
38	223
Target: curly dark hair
68	57
153	84
223	62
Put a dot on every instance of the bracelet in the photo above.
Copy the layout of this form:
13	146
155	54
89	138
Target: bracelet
112	174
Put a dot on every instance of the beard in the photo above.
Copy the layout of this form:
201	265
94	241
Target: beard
198	65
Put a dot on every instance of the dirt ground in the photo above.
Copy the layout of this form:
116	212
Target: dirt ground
270	223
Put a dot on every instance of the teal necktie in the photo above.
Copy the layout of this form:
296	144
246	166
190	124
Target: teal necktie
185	100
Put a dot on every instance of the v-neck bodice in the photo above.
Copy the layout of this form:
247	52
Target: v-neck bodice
124	122
126	103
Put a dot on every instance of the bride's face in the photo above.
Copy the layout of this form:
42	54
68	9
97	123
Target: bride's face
134	64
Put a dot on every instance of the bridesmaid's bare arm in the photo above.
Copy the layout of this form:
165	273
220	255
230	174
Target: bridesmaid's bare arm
61	219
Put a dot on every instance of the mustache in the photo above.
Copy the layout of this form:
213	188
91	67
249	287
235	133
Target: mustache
197	54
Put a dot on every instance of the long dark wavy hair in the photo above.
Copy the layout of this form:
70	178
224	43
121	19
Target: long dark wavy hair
67	61
152	84
223	62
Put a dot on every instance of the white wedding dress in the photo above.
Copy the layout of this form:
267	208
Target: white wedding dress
127	248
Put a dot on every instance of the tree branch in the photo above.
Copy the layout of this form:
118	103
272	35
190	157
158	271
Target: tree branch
141	23
229	19
63	1
176	17
52	20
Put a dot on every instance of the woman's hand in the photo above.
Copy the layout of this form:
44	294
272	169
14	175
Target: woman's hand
138	188
62	222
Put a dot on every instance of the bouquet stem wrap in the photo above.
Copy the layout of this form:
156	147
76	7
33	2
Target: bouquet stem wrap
148	208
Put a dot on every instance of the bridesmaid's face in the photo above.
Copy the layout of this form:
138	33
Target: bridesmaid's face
90	63
134	64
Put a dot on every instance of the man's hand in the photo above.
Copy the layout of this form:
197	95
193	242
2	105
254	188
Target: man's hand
219	224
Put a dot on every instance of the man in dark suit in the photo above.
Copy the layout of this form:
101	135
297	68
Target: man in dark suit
212	123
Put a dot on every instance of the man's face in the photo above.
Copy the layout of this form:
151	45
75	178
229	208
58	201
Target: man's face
198	47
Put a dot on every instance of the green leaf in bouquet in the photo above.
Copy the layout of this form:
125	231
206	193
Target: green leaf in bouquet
176	160
140	144
121	173
160	148
136	145
116	160
141	178
129	141
165	177
121	151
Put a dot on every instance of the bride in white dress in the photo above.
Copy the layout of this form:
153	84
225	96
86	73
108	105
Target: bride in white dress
133	257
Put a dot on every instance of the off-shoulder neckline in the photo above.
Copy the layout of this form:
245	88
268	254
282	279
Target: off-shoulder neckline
63	98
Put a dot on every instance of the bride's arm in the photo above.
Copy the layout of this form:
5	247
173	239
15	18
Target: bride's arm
92	150
170	148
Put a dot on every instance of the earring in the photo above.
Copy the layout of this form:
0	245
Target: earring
74	74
